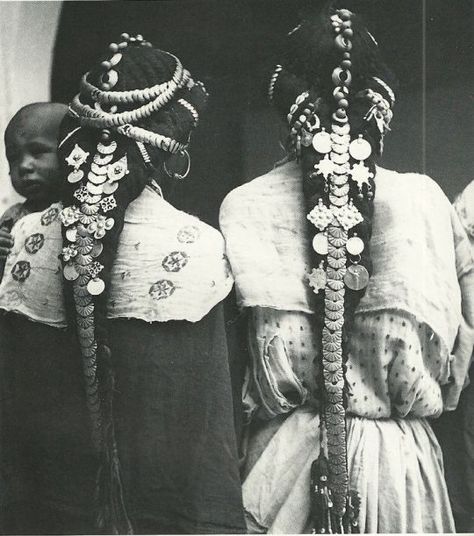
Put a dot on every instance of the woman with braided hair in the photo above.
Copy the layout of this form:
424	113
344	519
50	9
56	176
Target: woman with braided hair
138	288
358	283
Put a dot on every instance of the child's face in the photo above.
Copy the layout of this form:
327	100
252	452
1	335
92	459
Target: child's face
30	143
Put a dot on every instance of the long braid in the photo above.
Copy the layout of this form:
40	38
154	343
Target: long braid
106	170
337	113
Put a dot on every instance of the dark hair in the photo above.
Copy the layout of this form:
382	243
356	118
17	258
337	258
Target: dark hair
307	65
139	66
305	85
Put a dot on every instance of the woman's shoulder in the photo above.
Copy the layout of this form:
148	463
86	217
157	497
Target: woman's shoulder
255	194
418	186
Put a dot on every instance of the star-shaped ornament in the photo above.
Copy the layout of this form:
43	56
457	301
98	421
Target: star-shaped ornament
325	167
77	157
317	279
361	174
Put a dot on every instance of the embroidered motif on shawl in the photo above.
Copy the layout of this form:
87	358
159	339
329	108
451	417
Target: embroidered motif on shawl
169	266
418	247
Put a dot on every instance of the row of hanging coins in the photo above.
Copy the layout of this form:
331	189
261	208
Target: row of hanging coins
86	225
333	220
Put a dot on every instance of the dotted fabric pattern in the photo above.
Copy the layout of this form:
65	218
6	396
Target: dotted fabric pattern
395	366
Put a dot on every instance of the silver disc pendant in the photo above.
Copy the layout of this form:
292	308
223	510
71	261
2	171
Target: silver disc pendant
97	249
355	245
70	273
356	277
110	187
320	244
360	149
75	176
96	179
98	170
322	142
95	286
71	234
107	149
94	189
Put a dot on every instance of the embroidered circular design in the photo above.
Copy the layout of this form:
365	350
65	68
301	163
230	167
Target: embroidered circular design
162	289
188	234
34	243
21	271
13	298
175	261
49	216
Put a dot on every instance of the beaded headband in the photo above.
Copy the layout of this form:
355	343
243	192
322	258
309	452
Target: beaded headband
103	114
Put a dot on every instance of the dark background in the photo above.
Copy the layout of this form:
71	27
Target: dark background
231	46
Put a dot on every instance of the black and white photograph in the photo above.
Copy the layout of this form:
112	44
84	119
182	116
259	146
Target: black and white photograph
236	267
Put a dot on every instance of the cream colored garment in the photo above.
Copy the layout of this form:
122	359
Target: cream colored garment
32	280
395	366
396	466
418	247
169	266
464	206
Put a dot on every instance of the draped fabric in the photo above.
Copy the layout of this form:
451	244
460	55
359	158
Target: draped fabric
169	266
418	247
395	464
407	357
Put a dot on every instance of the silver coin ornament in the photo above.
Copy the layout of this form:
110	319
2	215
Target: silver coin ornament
70	273
320	244
94	189
71	234
96	179
110	187
95	286
322	142
317	279
75	176
360	149
356	277
355	245
97	249
107	149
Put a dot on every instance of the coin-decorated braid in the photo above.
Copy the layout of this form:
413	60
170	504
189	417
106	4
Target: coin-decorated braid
322	81
106	171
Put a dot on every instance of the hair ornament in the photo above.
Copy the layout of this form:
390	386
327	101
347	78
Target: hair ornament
273	79
334	505
93	219
179	175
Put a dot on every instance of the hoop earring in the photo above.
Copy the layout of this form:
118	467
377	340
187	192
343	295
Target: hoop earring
175	174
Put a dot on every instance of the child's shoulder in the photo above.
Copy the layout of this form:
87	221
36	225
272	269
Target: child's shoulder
13	214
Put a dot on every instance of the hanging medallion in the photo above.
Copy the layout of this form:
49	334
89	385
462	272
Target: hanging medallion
355	245
360	149
356	277
75	176
322	142
320	244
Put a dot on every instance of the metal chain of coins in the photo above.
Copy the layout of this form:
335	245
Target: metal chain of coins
86	225
335	507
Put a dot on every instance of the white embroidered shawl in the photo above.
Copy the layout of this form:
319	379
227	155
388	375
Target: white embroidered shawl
169	266
418	247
